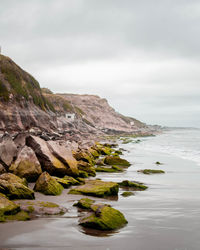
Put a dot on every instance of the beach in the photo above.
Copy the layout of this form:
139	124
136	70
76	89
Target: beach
166	216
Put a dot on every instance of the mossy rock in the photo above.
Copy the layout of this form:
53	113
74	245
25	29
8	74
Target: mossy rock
84	203
134	185
12	178
16	190
20	216
116	160
83	174
80	180
158	163
151	171
71	180
41	207
104	218
7	207
104	150
47	185
85	166
83	156
118	152
127	194
97	188
94	153
64	182
108	169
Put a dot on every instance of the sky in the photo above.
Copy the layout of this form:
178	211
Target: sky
142	56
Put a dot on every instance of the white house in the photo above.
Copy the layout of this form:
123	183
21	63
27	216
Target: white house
70	117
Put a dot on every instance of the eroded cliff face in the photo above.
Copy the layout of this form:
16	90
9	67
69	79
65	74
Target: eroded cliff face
23	106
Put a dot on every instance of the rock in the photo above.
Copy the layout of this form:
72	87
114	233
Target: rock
94	153
47	160
41	208
85	166
103	217
84	203
84	157
48	185
100	162
134	185
64	182
16	190
116	160
7	207
151	171
158	163
83	174
97	188
71	180
65	156
20	139
26	165
108	169
127	193
8	150
2	169
103	150
12	178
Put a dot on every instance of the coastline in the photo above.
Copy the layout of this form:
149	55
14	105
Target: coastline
156	216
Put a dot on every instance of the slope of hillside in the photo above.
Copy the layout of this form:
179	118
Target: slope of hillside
24	105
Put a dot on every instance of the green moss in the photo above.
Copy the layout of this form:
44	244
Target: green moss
84	203
4	92
134	185
86	167
71	180
94	153
107	218
83	174
21	216
127	193
158	163
30	209
97	188
64	182
116	160
108	169
151	171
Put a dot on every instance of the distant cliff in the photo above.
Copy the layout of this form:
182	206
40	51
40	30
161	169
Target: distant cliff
24	106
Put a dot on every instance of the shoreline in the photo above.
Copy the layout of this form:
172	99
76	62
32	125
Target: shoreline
156	209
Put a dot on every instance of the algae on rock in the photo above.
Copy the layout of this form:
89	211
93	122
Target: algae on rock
116	160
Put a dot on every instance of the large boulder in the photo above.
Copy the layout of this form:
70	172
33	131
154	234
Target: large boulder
97	188
16	190
7	207
12	178
116	160
65	156
103	217
8	150
48	161
46	184
26	165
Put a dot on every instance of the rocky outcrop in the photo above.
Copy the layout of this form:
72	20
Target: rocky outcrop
12	178
48	185
7	207
26	165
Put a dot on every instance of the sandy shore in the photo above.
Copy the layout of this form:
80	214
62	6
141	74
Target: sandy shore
164	217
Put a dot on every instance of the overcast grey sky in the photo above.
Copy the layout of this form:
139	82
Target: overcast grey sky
143	56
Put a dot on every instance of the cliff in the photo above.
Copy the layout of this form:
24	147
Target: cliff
24	105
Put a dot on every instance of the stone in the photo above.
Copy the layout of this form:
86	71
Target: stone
64	182
65	156
116	160
108	169
151	171
127	194
36	208
16	190
84	157
85	166
7	207
103	218
84	203
96	188
12	178
48	161
8	150
26	165
134	185
71	180
20	139
47	185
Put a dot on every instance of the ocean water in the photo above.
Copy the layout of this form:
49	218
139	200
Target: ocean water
166	216
183	143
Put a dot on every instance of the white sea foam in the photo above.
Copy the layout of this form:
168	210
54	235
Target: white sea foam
183	143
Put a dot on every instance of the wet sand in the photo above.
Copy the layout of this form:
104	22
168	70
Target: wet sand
164	217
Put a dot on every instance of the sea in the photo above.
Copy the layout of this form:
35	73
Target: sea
166	216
